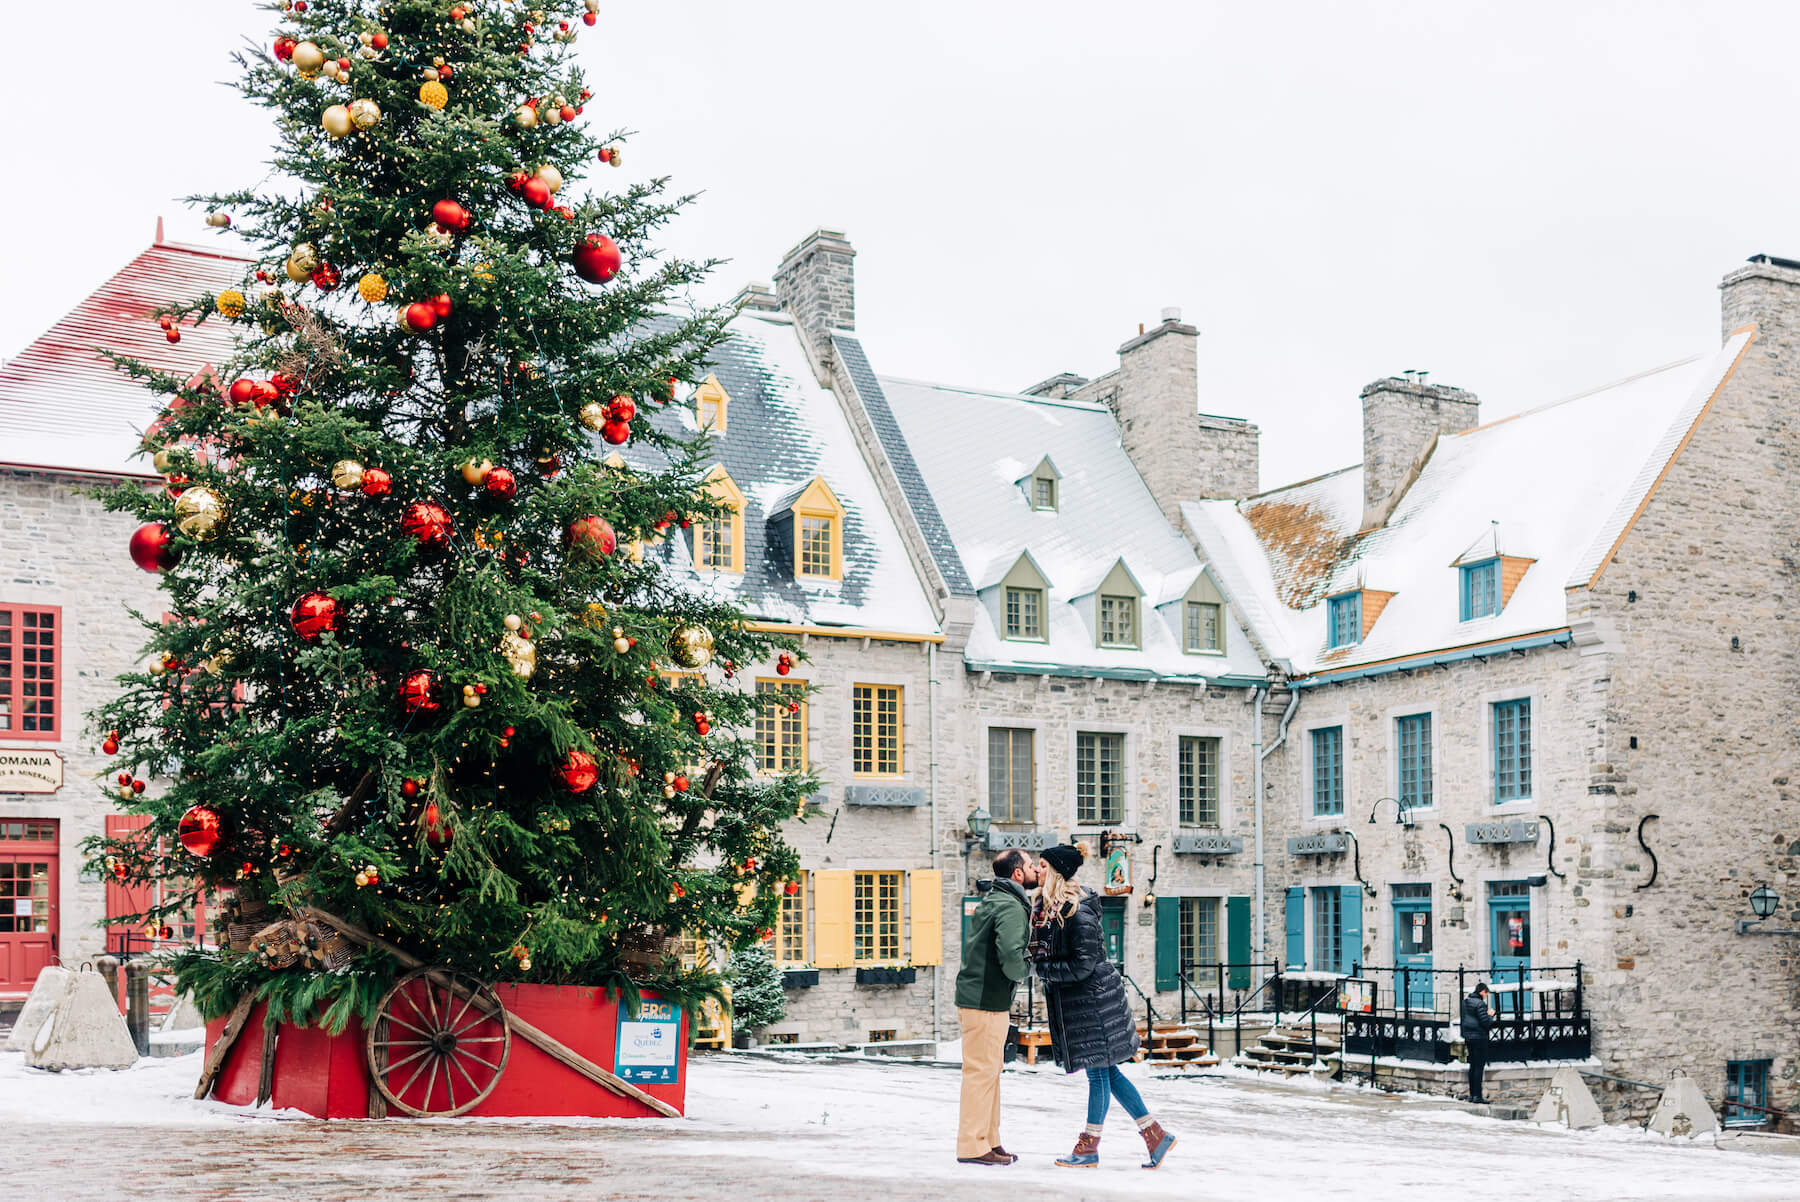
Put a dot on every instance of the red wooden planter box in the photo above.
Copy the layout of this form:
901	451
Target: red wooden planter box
328	1075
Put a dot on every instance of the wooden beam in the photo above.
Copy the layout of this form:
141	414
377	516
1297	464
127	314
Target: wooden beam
215	1059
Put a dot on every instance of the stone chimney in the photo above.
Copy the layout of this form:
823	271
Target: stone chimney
757	298
1764	292
816	286
1401	421
1183	455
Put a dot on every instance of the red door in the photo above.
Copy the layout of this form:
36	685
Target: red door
28	901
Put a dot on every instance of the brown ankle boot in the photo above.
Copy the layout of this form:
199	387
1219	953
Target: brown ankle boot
1086	1154
1157	1142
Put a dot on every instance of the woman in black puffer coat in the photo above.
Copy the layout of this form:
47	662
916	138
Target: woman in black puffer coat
1091	1025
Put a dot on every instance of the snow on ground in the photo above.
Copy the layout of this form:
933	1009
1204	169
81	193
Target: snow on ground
767	1128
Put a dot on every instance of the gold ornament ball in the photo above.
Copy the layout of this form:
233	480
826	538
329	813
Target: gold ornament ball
365	113
593	415
621	644
482	272
551	176
372	288
553	115
526	116
433	95
476	470
512	621
218	220
199	513
347	474
691	646
231	303
303	257
337	121
595	615
308	58
472	700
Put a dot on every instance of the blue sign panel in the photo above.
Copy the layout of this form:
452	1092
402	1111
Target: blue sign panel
649	1045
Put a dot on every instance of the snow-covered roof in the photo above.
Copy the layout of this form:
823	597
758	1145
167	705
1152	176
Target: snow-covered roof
781	430
973	447
1557	485
63	406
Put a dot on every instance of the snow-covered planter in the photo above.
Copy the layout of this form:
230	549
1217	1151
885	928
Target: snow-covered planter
886	976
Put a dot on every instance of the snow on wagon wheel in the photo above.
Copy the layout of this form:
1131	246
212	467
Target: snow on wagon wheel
438	1043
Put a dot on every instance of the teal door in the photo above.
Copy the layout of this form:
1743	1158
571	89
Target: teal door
1112	928
1412	948
1509	935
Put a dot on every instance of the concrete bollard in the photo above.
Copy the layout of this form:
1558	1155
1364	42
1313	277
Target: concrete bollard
137	1004
1683	1110
85	1031
1568	1101
47	992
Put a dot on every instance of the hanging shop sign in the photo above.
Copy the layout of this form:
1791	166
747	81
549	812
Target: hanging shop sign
24	771
649	1046
1118	872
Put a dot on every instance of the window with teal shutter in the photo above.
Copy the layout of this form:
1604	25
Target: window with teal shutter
1295	928
1237	942
1168	945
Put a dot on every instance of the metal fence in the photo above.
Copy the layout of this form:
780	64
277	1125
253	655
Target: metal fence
1540	1013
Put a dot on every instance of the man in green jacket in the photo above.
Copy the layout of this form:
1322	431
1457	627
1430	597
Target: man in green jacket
993	964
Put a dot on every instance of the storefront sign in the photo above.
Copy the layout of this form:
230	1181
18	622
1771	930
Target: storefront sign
24	771
649	1046
1118	872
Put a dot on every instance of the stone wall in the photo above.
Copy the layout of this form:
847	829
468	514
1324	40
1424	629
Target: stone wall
59	547
1699	602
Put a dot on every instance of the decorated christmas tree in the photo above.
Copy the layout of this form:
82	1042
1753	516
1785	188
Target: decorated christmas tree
415	672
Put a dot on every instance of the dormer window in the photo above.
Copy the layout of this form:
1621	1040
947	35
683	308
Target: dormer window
1480	590
1343	616
710	405
1023	596
1195	613
1200	627
719	542
1043	487
810	526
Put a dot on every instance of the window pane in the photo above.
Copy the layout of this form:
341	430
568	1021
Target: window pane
1481	590
1099	777
1328	929
1344	616
791	934
1415	760
1328	770
1211	633
1512	750
1043	493
1023	606
780	735
1190	632
1197	781
815	546
1199	933
1118	621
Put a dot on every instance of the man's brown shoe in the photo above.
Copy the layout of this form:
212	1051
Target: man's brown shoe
997	1150
992	1156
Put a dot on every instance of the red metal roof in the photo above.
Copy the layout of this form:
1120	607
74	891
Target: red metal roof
64	407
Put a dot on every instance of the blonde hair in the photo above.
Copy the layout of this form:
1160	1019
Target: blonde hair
1058	892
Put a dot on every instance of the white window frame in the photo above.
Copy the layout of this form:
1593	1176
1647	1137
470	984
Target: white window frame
1391	736
1488	701
1127	771
1227	777
1323	821
1037	729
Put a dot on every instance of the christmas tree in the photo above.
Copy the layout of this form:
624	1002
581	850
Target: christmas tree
415	671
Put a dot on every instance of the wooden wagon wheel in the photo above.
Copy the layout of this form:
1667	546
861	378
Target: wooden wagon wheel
438	1035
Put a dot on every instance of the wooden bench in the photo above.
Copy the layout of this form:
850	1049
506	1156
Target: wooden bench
1031	1039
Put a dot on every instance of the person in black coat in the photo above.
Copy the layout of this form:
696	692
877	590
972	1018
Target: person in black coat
1477	1021
1091	1025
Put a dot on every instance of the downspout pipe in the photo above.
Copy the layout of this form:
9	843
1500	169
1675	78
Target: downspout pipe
1263	753
931	798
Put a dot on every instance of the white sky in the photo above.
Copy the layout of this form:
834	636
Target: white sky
1525	198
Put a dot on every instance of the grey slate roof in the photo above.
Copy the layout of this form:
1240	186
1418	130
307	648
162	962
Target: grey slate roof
924	509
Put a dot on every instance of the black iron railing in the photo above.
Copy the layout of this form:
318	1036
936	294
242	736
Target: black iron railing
1265	996
1540	1013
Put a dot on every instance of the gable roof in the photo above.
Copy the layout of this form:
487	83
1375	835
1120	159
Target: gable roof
1557	484
785	431
972	448
63	406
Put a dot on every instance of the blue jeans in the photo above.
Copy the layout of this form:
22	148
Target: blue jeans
1105	1084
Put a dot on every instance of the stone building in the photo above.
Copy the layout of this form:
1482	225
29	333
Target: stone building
69	422
1541	672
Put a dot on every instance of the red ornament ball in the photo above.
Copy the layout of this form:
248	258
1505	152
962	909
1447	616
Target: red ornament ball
681	784
201	830
428	522
791	888
315	613
326	278
501	484
378	40
243	391
623	408
441	304
281	385
451	216
418	692
173	335
567	113
782	667
437	831
153	547
409	787
420	317
110	747
578	772
589	18
597	259
536	192
376	482
592	535
616	432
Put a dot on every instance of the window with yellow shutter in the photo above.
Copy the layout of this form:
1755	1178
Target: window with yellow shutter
790	930
875	730
877	918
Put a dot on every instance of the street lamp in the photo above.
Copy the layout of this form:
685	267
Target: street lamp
979	822
1763	903
1401	817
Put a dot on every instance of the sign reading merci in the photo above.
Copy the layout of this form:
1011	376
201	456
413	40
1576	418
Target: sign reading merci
24	771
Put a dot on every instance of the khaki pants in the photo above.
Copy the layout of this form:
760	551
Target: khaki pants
983	1048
